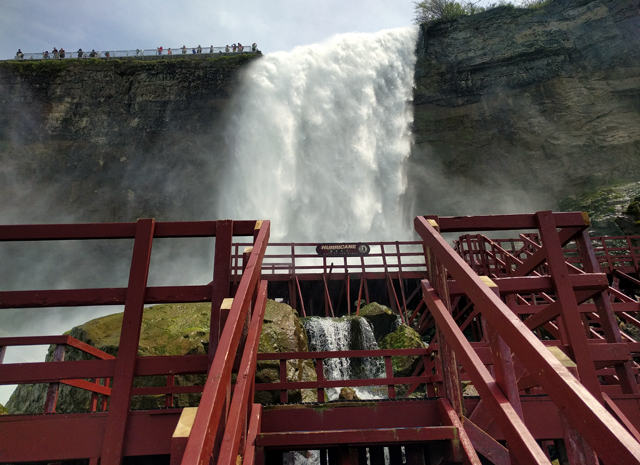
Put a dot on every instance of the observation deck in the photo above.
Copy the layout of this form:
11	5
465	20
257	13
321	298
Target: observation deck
533	323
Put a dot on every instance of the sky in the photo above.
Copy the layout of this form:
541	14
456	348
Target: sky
275	25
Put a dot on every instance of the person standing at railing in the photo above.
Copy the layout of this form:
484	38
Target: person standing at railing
233	47
45	55
55	53
138	52
19	55
226	49
184	50
240	47
93	54
211	49
254	47
199	49
62	52
159	50
169	52
79	53
107	54
193	51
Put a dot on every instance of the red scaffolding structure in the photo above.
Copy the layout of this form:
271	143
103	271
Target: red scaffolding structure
532	324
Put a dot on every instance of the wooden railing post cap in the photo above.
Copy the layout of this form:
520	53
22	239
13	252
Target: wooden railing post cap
226	304
585	217
433	223
258	224
488	281
185	423
247	250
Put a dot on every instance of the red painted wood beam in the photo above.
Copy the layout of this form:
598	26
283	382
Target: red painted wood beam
508	222
382	436
342	354
610	440
220	286
113	442
520	440
45	372
244	384
40	232
252	454
201	440
594	282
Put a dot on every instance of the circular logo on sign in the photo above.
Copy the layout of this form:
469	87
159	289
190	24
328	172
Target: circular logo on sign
363	249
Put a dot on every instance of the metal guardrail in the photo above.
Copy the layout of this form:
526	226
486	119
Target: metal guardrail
171	51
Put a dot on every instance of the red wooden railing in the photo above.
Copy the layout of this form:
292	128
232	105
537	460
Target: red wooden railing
321	383
582	404
110	445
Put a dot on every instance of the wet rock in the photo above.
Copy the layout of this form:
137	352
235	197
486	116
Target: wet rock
381	318
282	331
403	338
347	393
515	102
174	329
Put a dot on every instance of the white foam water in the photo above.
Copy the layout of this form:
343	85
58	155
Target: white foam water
320	136
349	333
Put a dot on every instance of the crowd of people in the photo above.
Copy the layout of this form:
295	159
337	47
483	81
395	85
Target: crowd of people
56	54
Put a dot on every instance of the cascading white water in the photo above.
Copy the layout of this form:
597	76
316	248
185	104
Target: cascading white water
320	136
349	333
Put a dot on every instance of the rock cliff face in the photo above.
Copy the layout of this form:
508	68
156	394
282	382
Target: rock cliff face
513	102
114	140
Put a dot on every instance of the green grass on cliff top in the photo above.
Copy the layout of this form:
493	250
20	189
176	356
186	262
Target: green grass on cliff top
27	66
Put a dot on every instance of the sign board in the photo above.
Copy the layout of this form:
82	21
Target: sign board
343	250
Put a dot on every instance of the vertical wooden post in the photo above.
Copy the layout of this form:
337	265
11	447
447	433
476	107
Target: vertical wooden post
54	388
570	313
447	358
389	373
221	279
320	378
605	312
502	359
115	429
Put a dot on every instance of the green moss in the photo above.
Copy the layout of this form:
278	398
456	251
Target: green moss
3	410
403	338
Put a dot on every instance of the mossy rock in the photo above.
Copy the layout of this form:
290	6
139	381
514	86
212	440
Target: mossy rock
381	318
613	210
3	410
403	338
175	329
347	393
282	331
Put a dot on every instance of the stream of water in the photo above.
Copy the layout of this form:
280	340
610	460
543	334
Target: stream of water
325	134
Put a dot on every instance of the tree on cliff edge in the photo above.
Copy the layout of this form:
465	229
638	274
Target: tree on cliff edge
429	10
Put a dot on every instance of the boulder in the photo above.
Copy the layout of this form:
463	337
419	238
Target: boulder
403	338
175	329
282	331
347	393
381	318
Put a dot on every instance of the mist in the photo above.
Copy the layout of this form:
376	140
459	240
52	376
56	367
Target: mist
317	140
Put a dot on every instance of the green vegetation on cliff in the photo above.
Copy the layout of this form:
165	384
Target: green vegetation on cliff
176	329
118	64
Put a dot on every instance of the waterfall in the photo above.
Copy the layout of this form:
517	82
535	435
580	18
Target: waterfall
347	333
319	139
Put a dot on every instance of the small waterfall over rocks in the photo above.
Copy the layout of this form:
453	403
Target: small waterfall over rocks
346	333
